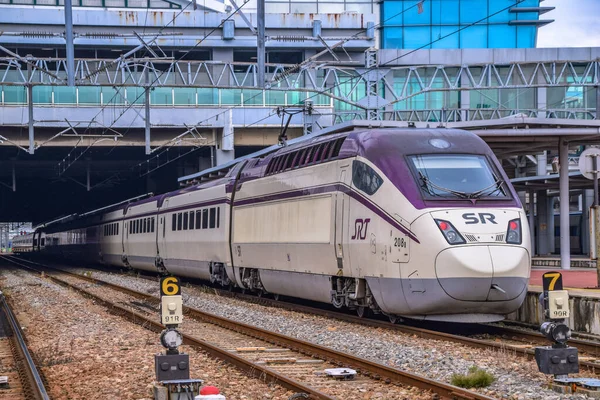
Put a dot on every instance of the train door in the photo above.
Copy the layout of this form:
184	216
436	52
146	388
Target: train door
341	226
126	246
161	238
123	233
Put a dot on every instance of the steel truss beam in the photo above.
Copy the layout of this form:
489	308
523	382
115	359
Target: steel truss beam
401	83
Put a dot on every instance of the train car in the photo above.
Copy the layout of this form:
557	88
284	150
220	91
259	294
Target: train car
418	223
22	243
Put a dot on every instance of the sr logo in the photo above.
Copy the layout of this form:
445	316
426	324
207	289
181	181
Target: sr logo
470	218
360	228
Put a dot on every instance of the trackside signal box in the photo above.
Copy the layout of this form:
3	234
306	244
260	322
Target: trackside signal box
171	306
559	359
172	365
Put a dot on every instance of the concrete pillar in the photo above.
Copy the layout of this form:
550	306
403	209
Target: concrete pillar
543	247
542	162
223	156
541	102
465	104
531	220
550	234
223	55
587	201
565	235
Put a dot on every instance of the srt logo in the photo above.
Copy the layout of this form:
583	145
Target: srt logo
470	218
359	224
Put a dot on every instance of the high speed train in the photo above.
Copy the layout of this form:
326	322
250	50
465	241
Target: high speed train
417	223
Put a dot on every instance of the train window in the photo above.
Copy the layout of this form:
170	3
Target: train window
117	229
35	242
198	219
336	147
288	161
152	225
298	160
212	218
43	242
317	155
192	214
185	221
456	176
205	218
280	162
174	222
144	225
365	178
309	154
179	221
325	151
130	231
218	216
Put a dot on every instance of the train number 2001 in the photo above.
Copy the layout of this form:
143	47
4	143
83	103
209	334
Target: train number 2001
400	242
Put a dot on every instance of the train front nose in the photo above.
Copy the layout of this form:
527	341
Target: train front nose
483	273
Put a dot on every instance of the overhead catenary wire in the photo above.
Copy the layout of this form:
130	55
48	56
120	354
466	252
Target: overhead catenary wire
403	55
323	92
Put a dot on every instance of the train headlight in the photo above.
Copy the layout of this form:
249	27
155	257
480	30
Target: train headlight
513	234
450	233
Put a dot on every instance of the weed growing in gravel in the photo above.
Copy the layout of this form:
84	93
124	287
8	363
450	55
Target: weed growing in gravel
476	378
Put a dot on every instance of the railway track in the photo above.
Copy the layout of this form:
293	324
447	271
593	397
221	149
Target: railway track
290	362
19	378
518	341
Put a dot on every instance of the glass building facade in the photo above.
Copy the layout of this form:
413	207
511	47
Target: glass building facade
444	24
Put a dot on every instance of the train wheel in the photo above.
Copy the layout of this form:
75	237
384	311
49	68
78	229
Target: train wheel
362	311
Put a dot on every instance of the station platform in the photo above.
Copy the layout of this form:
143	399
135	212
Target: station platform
584	302
580	278
554	261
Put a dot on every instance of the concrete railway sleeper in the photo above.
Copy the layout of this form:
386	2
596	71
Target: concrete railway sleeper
379	373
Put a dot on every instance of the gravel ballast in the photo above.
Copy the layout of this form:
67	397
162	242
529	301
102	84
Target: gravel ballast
84	352
516	378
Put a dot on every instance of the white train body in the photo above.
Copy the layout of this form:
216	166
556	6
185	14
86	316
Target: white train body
376	219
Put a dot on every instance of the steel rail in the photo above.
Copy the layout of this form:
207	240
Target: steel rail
588	346
253	369
593	348
369	368
35	384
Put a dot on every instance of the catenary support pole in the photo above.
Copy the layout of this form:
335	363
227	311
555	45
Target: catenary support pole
69	38
147	109
260	43
565	234
30	109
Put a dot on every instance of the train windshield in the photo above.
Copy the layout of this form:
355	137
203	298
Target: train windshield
457	175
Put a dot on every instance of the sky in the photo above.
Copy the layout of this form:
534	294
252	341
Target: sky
576	24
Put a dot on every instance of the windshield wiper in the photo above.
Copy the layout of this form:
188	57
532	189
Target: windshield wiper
428	184
497	185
